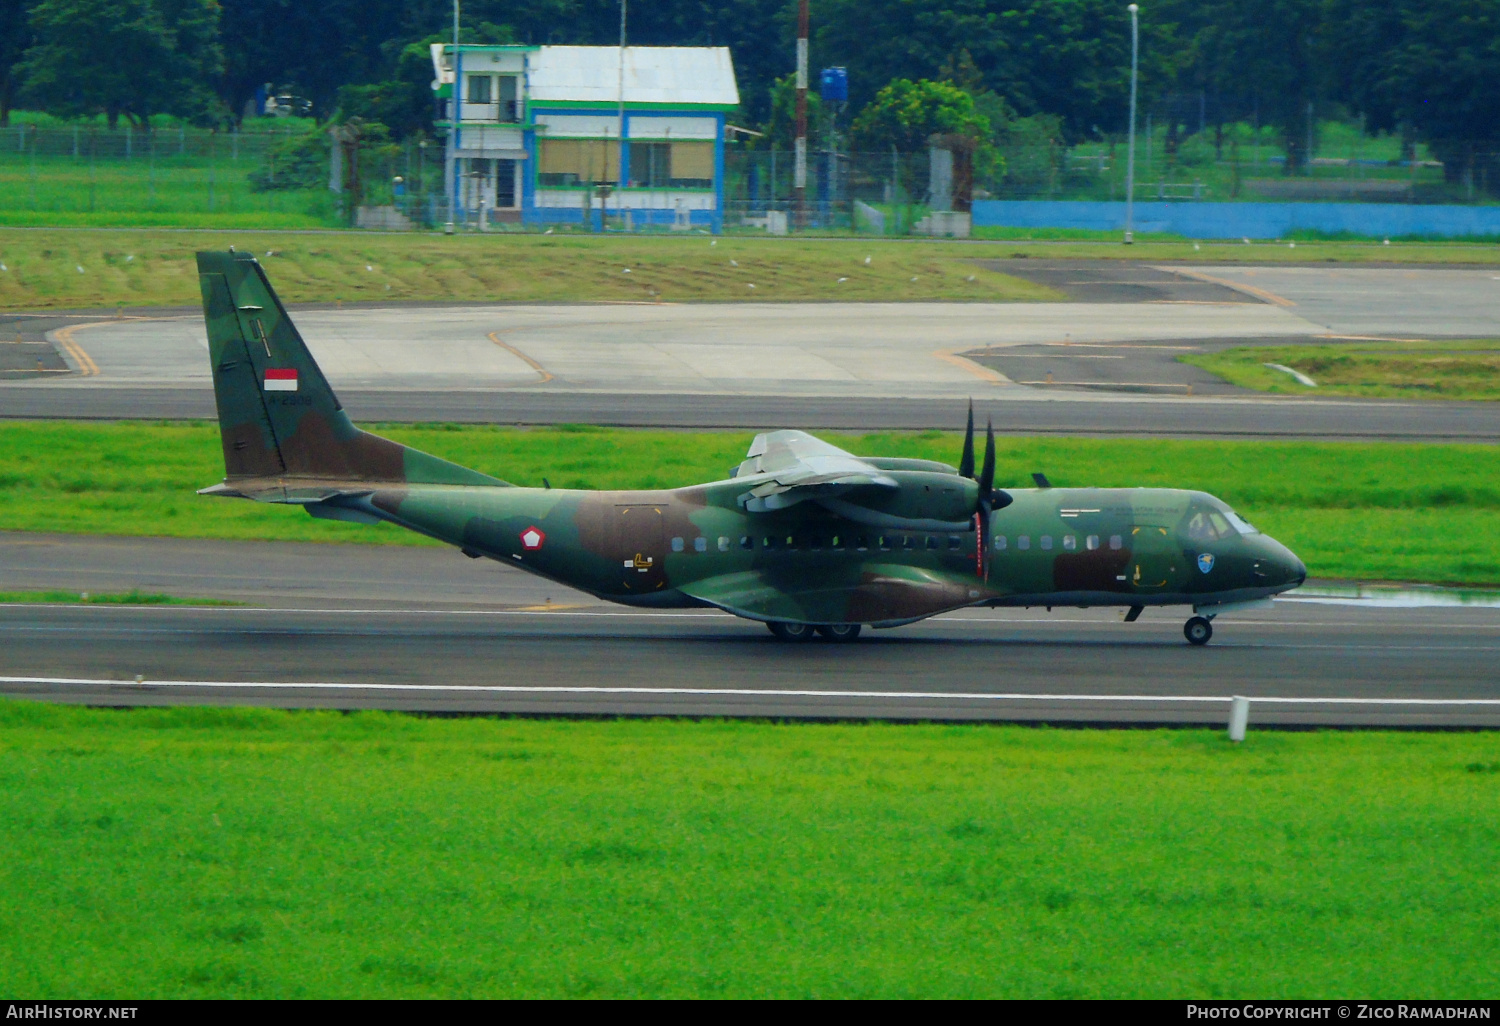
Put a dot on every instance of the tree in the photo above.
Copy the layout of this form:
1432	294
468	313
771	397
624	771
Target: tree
1429	67
905	114
15	37
124	57
781	125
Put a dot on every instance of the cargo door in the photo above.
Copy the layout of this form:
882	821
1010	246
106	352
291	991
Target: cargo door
1153	559
640	548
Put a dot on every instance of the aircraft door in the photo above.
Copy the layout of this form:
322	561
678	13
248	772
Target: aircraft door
1153	558
640	548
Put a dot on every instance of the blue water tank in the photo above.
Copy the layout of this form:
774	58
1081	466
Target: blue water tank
834	85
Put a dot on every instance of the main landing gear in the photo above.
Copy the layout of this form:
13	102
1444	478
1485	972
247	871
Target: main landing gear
841	632
1198	630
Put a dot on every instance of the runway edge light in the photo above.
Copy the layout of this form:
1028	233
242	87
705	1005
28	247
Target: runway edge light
1239	716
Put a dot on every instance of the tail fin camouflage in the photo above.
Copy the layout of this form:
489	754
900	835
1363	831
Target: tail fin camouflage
277	416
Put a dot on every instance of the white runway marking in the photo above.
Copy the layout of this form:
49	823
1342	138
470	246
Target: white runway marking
737	692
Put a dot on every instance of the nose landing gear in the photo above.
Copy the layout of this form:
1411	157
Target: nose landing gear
1198	630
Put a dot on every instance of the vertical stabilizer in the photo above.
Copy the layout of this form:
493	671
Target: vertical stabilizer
277	415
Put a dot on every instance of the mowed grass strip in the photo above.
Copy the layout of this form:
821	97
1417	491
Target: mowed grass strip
157	269
257	853
1379	511
1386	370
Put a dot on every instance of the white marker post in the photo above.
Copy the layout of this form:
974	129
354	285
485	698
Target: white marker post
1239	717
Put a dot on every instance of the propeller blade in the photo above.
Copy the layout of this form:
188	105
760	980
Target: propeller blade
966	464
987	475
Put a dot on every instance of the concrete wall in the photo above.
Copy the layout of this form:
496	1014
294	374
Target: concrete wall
1243	220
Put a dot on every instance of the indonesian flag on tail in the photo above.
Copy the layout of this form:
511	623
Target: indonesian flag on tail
281	380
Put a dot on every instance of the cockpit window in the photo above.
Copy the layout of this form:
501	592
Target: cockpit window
1205	524
1240	524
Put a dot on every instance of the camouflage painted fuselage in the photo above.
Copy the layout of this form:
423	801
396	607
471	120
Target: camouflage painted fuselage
696	546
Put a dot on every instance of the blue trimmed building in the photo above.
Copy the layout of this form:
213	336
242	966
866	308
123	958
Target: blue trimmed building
537	134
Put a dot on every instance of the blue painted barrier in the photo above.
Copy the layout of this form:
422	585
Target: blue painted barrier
1242	220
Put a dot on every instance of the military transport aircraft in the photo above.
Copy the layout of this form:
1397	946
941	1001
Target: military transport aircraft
803	536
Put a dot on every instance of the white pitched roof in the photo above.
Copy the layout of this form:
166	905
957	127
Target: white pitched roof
653	74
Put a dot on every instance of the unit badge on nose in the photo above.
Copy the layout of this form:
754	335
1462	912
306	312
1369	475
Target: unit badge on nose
1205	561
531	539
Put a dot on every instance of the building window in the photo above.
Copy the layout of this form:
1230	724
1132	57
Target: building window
509	107
479	88
577	162
505	184
675	165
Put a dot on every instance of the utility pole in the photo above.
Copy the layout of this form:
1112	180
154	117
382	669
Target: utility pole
620	169
1135	47
453	110
799	166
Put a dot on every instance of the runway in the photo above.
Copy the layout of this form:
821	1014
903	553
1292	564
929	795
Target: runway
424	629
851	366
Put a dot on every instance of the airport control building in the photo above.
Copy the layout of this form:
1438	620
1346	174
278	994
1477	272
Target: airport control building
534	133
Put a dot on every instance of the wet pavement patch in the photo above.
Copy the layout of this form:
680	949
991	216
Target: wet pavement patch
1118	281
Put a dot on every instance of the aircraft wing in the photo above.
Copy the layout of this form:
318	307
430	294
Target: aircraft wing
788	467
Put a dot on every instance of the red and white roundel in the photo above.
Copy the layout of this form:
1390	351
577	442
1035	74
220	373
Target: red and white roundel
532	538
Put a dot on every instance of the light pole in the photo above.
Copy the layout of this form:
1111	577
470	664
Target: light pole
1135	49
451	172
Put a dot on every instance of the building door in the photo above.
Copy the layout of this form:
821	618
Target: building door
505	185
640	547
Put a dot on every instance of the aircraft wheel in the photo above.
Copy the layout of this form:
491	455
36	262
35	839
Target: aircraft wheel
785	631
839	631
1198	630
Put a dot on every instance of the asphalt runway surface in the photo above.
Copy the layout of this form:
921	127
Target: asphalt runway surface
1110	352
425	629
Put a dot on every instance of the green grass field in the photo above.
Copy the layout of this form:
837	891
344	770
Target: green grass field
1387	370
1354	511
254	853
155	268
111	598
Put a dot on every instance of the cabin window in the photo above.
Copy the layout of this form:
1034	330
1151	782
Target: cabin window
723	544
1047	542
1207	526
815	542
768	543
955	541
747	542
677	545
1070	542
883	543
862	543
700	544
932	542
1024	542
791	542
999	543
1092	542
836	542
1114	541
908	542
